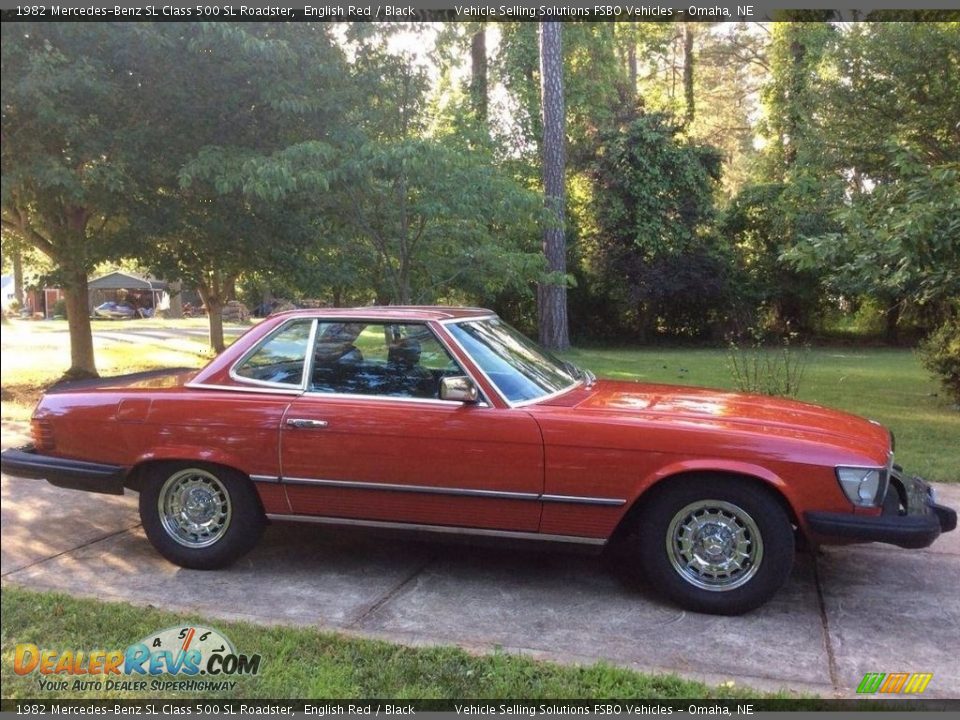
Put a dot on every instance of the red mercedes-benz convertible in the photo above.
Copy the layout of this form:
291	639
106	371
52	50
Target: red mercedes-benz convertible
448	420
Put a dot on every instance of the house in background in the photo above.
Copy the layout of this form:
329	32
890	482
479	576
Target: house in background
141	293
8	291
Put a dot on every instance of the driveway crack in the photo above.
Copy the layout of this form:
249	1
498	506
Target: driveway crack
48	558
825	624
390	594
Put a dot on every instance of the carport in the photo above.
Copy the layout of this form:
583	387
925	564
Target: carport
118	286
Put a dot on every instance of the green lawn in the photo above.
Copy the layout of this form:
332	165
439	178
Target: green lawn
883	384
304	663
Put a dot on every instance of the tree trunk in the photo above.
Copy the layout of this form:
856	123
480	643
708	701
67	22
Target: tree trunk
82	364
176	299
688	72
478	77
404	289
891	334
552	295
214	302
17	260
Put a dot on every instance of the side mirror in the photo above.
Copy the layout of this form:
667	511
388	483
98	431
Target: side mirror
459	388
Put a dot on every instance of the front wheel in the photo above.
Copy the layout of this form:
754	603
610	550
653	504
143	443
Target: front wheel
199	516
713	544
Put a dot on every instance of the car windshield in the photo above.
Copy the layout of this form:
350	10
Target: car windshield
520	368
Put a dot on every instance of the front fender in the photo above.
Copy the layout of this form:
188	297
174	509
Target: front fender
720	465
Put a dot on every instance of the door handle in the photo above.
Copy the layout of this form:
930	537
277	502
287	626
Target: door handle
303	423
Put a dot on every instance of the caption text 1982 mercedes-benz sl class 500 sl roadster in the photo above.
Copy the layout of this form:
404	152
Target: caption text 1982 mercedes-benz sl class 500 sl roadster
448	420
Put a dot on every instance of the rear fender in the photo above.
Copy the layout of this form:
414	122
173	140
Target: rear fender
188	453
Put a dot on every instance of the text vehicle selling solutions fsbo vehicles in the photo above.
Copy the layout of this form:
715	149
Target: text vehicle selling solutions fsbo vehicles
448	420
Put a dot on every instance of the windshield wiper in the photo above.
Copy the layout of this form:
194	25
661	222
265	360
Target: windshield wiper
579	373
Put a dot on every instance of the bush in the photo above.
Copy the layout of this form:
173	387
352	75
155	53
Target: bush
59	309
940	354
769	368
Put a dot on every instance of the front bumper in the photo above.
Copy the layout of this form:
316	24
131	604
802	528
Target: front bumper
73	474
910	518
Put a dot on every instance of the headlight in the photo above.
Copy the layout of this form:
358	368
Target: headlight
863	486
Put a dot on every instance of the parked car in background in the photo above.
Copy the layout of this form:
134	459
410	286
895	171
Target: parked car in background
447	420
114	311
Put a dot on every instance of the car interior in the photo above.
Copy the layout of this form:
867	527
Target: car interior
380	359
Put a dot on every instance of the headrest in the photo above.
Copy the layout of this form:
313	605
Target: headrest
405	353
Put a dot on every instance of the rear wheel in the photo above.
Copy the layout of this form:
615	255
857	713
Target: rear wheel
200	516
714	544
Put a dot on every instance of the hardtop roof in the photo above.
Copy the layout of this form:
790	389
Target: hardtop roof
420	313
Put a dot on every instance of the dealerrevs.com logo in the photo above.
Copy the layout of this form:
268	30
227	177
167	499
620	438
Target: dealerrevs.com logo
186	653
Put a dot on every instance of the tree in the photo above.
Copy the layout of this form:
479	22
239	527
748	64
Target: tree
653	208
428	238
242	115
897	159
430	217
70	146
689	102
479	92
552	293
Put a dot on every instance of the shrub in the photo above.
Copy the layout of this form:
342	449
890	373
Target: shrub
768	367
940	354
60	308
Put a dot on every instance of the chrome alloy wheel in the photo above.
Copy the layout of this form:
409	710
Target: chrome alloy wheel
194	508
714	545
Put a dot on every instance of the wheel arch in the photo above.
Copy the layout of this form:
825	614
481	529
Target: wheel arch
705	472
138	473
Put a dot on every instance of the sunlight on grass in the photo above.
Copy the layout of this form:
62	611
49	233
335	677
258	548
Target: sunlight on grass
35	354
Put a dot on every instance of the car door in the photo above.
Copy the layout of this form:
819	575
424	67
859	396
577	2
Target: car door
370	439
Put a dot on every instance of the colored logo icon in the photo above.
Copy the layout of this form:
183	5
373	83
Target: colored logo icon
894	683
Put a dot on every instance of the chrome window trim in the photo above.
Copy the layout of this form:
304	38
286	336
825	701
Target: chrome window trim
264	340
461	492
279	390
468	318
496	388
445	529
483	403
398	398
310	358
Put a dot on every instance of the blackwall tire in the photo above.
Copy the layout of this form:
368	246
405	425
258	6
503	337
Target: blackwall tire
200	516
714	544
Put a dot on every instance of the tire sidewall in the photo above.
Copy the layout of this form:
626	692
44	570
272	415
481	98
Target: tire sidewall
776	532
244	529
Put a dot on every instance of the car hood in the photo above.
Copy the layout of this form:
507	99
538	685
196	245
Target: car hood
756	414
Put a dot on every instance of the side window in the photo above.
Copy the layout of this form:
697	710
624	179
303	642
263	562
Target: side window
380	359
279	359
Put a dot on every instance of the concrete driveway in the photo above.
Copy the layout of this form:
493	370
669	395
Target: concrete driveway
847	612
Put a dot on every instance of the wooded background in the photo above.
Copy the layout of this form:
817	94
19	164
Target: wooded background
642	181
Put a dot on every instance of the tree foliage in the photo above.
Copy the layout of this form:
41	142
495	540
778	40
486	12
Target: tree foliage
653	201
72	138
